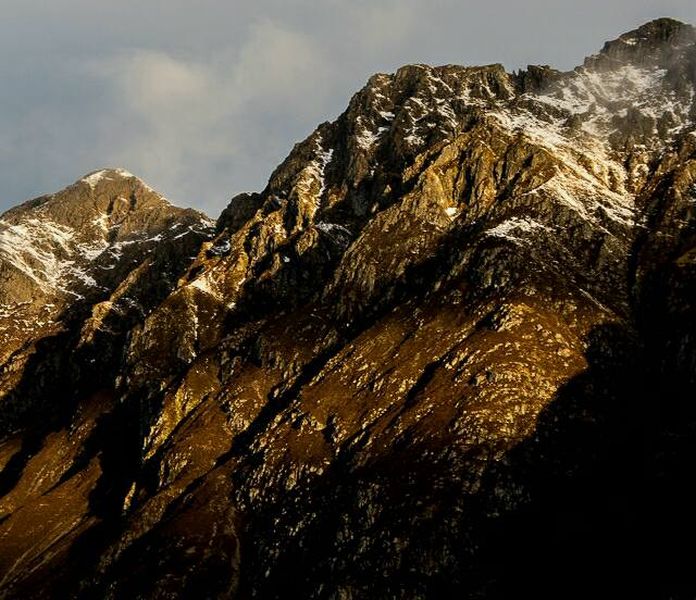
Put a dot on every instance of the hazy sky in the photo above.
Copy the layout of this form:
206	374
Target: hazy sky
203	98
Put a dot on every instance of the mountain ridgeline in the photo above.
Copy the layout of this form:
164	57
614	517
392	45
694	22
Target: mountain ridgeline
449	351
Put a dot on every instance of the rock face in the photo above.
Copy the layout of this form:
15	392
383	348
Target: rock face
78	269
449	351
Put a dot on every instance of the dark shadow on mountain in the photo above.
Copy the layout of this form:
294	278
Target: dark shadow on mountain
61	379
596	504
42	402
575	511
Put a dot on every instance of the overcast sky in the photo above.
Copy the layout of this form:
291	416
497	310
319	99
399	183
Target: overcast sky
202	99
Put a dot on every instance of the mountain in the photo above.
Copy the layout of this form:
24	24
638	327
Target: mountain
78	269
449	351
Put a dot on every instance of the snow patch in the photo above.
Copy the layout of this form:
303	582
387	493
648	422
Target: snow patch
509	227
315	170
333	228
414	140
585	186
44	252
338	233
93	179
54	257
366	138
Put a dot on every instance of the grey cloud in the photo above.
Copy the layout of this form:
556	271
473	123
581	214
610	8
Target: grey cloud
203	99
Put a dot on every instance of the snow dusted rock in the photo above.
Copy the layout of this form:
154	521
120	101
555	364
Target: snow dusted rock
63	241
91	260
426	361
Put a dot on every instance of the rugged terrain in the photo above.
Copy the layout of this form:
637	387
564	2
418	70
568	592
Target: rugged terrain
449	351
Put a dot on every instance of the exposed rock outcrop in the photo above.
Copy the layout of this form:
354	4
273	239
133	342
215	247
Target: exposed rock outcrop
443	354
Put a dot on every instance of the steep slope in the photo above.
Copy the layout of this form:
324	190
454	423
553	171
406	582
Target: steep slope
443	353
79	269
92	259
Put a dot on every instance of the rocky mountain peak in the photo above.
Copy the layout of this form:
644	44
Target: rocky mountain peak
100	253
660	43
427	360
73	237
656	34
388	162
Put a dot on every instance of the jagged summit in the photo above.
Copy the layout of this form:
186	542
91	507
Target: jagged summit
55	237
447	352
665	43
664	30
621	114
96	195
62	253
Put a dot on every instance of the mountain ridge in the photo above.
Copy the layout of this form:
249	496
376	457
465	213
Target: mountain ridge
426	360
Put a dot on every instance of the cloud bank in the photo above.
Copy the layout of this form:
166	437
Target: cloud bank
202	100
